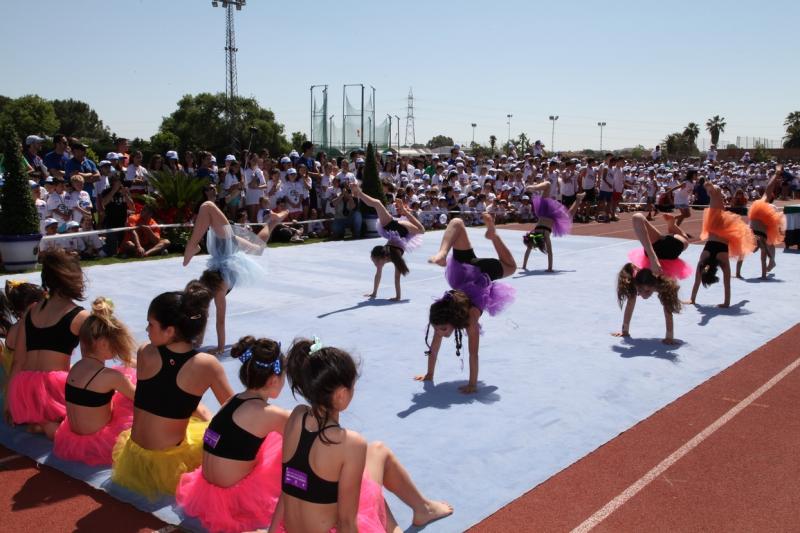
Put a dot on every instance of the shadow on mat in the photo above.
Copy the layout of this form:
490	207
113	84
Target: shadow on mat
376	302
444	395
770	279
211	347
632	347
710	311
527	273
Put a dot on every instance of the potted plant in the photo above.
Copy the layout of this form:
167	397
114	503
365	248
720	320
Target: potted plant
19	221
372	186
173	200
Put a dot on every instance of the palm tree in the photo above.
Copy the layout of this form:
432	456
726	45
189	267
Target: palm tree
492	141
715	125
792	119
691	132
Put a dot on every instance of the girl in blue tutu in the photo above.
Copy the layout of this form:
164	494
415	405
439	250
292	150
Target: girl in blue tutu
552	218
474	290
229	264
402	235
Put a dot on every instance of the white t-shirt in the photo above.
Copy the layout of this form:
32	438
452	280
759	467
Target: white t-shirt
294	192
99	186
552	177
607	184
58	207
681	194
618	179
253	196
79	199
230	181
41	208
568	184
589	179
712	155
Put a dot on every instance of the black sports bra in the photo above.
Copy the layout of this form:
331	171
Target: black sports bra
85	397
56	338
299	480
160	395
225	438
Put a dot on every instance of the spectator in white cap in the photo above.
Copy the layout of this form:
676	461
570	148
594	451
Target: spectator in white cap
33	143
50	228
172	166
41	205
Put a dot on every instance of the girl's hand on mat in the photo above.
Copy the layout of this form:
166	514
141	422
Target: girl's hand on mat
370	295
469	388
621	334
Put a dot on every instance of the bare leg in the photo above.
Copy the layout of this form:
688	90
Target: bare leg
697	278
771	253
549	246
525	259
274	220
503	254
158	248
385	469
673	229
725	264
209	216
575	205
455	236
739	264
762	245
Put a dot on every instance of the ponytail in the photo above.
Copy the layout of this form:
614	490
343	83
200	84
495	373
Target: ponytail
102	324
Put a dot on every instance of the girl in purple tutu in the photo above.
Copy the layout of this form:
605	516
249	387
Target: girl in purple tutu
331	478
99	399
653	268
44	345
552	218
475	290
238	486
402	235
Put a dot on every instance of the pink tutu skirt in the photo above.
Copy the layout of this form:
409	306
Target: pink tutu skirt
371	508
485	294
672	268
245	506
95	449
554	210
408	243
36	397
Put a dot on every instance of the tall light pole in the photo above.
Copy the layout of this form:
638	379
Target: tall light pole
553	118
473	132
509	127
602	125
330	132
231	83
398	131
390	130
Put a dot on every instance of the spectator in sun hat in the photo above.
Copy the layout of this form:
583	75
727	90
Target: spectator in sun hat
33	143
56	161
172	165
114	159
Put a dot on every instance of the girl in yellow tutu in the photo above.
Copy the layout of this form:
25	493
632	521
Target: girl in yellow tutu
726	235
768	225
166	439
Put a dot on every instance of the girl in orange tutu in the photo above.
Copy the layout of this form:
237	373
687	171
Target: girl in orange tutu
343	489
768	225
99	399
238	486
44	345
726	235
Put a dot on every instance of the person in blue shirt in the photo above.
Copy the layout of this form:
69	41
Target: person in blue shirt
83	166
56	161
33	143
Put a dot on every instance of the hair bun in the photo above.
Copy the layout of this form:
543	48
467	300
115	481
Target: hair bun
245	343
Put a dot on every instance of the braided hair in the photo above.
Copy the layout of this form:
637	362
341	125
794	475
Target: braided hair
453	309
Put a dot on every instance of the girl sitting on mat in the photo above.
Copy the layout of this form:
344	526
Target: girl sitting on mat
552	217
99	399
727	235
474	291
768	225
44	345
15	300
238	486
653	268
228	264
402	235
343	489
166	438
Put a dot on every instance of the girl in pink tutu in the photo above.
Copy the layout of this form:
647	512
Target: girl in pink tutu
15	301
475	290
238	486
99	399
344	488
402	235
44	345
653	268
553	218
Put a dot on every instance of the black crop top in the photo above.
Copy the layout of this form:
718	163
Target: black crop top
57	338
85	397
225	438
299	480
160	395
396	226
489	266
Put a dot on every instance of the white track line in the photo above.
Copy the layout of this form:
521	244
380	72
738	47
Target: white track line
631	491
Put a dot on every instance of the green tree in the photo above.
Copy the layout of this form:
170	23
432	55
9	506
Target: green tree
792	137
163	141
30	115
18	215
298	138
692	132
439	141
522	142
679	145
201	123
79	120
492	141
715	126
792	119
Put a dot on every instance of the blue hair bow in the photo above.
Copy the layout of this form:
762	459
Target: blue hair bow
275	366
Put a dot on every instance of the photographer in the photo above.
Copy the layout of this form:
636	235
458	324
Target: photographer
116	201
346	213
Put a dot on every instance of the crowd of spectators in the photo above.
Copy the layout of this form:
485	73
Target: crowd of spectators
74	194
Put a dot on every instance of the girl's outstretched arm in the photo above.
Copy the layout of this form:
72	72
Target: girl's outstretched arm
626	318
433	353
669	338
376	283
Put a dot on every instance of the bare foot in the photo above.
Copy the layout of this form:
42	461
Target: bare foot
370	295
469	388
724	306
739	276
426	377
190	252
550	270
277	218
430	511
687	302
489	221
620	334
771	265
394	299
438	259
670	342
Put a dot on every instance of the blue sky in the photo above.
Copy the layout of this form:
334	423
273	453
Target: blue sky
645	68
